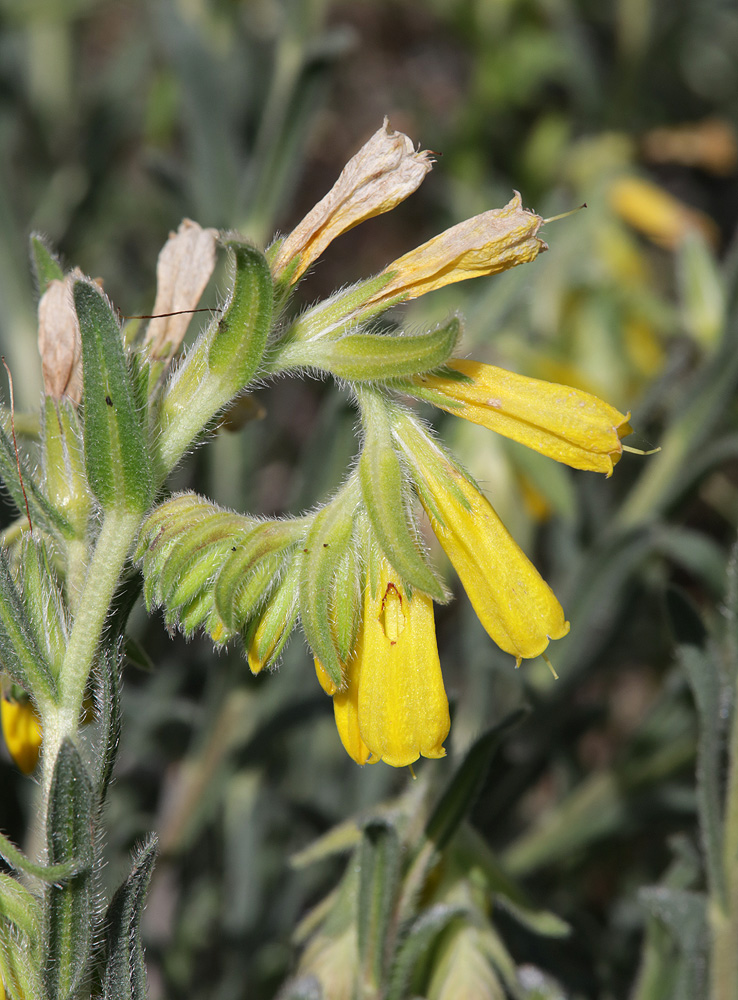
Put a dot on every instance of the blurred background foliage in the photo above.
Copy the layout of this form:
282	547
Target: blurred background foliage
118	119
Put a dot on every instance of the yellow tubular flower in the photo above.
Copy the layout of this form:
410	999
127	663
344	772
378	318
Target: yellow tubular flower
346	707
385	171
567	424
514	604
22	732
491	242
394	707
403	709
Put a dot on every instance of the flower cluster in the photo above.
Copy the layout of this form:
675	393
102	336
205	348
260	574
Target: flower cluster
389	699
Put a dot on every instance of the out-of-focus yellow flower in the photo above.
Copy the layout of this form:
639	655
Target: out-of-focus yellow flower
385	171
513	602
567	424
22	732
394	706
491	242
658	215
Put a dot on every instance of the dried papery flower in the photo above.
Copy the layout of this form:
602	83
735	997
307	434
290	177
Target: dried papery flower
185	264
59	342
485	244
385	171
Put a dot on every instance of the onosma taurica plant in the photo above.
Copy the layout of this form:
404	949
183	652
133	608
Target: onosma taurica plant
121	407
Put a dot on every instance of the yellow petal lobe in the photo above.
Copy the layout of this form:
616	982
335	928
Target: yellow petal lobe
514	604
402	704
22	732
569	425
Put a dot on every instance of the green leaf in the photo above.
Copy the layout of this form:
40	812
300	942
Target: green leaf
383	487
684	914
43	513
324	547
361	357
379	871
702	290
473	854
704	677
125	972
19	651
46	267
463	789
116	452
43	600
69	909
108	713
241	335
417	945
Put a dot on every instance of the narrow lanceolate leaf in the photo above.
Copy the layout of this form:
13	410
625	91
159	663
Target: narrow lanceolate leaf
43	512
417	945
46	267
463	788
108	712
125	974
43	600
20	654
704	677
69	908
382	481
241	336
362	357
379	867
116	453
324	548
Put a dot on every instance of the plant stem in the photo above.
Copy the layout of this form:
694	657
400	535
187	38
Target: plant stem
111	550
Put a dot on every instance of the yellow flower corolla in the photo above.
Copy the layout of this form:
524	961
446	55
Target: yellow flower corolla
567	424
394	706
657	214
385	171
485	244
512	601
22	732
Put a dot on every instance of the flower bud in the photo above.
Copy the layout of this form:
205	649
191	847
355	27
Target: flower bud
185	264
59	342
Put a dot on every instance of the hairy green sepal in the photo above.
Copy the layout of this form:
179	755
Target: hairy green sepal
382	485
362	357
325	547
